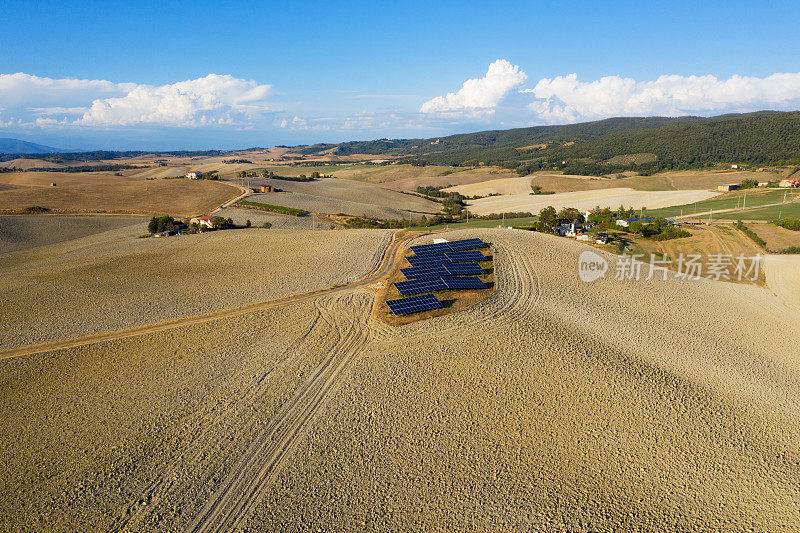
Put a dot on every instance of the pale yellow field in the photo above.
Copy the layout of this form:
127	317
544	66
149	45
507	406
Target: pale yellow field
783	278
558	183
102	192
552	405
585	200
777	238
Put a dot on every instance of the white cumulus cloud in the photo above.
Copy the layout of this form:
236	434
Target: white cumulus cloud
567	99
479	94
212	100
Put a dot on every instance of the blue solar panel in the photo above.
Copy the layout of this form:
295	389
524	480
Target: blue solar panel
427	249
427	260
453	282
418	286
465	257
434	271
452	246
467	244
414	304
463	269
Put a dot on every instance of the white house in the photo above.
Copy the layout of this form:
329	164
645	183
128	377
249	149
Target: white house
194	175
203	221
567	228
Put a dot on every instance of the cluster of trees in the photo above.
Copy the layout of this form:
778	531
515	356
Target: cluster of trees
537	189
659	229
34	209
548	217
750	233
275	208
236	161
85	168
375	223
788	223
270	174
161	224
104	155
452	202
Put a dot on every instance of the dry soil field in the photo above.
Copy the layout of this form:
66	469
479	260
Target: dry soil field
331	195
613	198
24	232
777	238
102	192
114	281
706	241
783	279
408	177
553	404
558	183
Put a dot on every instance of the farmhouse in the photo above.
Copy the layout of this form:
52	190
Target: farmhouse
789	183
193	175
568	227
728	187
625	222
590	212
203	221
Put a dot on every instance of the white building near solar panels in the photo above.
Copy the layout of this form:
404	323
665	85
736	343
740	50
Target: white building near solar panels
439	241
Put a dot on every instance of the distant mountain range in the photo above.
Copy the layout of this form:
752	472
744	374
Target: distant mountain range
16	146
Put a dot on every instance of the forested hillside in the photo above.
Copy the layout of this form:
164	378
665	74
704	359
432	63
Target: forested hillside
646	145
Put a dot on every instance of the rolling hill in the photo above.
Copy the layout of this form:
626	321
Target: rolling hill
646	145
17	146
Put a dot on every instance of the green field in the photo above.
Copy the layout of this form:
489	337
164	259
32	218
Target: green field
481	223
765	213
274	208
731	200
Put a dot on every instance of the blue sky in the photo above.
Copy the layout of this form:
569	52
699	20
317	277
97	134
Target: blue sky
298	72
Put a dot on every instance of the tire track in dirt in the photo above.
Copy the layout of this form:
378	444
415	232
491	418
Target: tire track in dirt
163	491
517	294
244	486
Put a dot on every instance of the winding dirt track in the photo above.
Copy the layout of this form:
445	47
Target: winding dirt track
343	316
254	473
391	254
243	488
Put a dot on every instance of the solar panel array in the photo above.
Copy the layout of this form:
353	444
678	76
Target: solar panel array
437	267
463	269
446	269
455	282
426	260
414	304
473	256
417	286
433	271
453	246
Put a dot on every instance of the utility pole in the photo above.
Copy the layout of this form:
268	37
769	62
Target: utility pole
744	204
